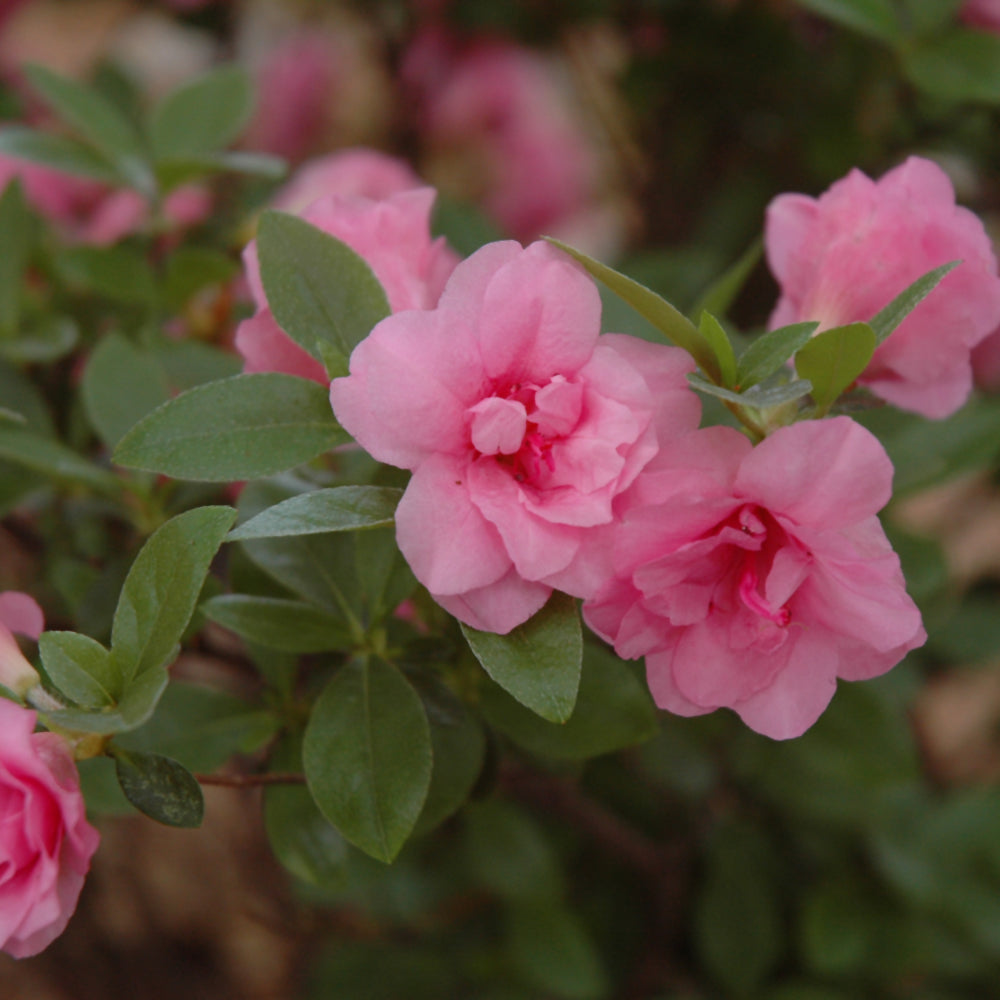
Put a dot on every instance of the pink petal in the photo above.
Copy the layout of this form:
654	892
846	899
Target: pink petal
412	380
823	473
449	545
788	224
799	692
541	316
267	348
498	607
536	546
21	614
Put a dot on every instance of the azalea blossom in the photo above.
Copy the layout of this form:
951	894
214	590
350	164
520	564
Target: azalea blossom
521	423
392	235
981	14
356	171
505	131
87	211
842	257
21	615
45	840
752	578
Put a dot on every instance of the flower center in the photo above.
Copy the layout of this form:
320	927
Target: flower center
521	423
758	565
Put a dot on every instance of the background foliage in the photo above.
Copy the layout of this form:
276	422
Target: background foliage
620	853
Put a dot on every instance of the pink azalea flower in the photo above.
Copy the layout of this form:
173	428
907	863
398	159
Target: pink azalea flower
19	614
392	235
87	211
498	117
521	423
45	840
356	171
753	577
842	257
981	14
297	83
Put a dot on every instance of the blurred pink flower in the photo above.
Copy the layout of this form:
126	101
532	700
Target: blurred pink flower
496	113
45	840
297	83
753	577
87	211
356	171
522	426
19	614
392	235
842	257
981	14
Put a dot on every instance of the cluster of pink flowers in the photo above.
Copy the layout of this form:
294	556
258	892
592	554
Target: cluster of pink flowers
46	842
498	122
87	211
547	455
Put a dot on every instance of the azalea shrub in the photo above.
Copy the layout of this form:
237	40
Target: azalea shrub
571	536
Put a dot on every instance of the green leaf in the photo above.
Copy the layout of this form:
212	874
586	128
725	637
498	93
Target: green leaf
958	65
202	116
757	396
118	273
508	853
46	338
613	710
712	330
384	578
190	362
721	294
833	359
79	666
838	927
672	323
302	838
243	427
285	625
161	590
173	173
925	452
323	295
458	748
552	950
925	16
886	320
56	151
192	268
201	727
737	919
341	508
121	384
159	787
54	460
16	225
98	121
359	577
367	756
875	18
768	353
539	662
134	708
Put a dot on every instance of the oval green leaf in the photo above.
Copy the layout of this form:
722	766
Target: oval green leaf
539	662
367	756
244	427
